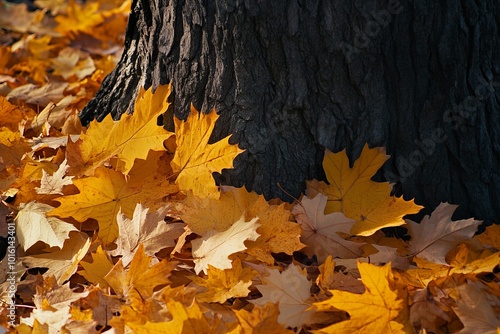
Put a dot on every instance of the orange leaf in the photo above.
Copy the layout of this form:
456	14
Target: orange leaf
352	192
195	159
374	311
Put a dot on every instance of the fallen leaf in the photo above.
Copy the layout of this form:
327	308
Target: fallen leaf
186	319
291	289
477	313
436	235
128	139
491	236
53	184
96	271
141	278
220	285
33	225
374	311
320	231
102	196
215	247
61	264
261	320
195	160
150	230
352	192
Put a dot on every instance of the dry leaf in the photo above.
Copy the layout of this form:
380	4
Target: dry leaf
53	184
319	231
291	289
195	159
220	285
375	311
147	229
352	192
215	247
436	235
33	225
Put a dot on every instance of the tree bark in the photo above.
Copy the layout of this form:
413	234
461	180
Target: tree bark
290	78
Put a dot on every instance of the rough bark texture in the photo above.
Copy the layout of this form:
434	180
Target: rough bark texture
291	77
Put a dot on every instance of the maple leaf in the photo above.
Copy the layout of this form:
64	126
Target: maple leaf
96	271
61	264
52	304
79	18
427	312
10	115
352	192
262	319
53	184
436	235
34	226
319	231
195	160
291	289
374	311
147	229
186	319
277	233
491	236
215	247
128	139
102	196
72	62
221	285
328	279
139	281
475	311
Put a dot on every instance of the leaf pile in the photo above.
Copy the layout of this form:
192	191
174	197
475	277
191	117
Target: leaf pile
115	233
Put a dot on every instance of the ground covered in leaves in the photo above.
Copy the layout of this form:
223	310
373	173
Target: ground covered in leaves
120	226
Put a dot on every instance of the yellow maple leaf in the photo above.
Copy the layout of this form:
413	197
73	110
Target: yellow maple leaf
128	139
375	311
491	236
186	319
195	159
96	271
352	192
221	285
102	196
141	278
261	320
79	18
277	233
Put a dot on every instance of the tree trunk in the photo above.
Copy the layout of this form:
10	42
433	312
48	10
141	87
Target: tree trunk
292	77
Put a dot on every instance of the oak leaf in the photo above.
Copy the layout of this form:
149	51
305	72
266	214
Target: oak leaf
220	285
33	225
215	247
320	232
128	139
436	235
374	311
291	289
150	230
195	159
352	192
